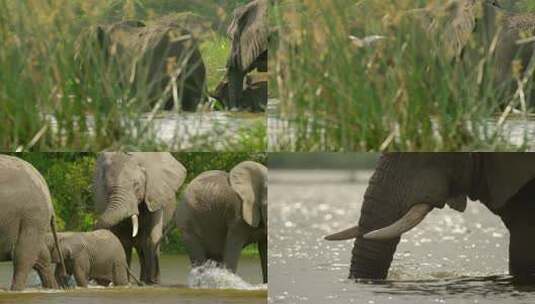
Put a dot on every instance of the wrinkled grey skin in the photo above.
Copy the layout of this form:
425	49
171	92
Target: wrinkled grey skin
504	182
249	34
495	21
27	216
220	213
140	184
147	58
97	255
254	97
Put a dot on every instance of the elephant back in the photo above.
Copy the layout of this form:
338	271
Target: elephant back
19	174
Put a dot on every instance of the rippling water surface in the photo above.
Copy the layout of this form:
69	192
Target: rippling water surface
210	130
516	131
179	285
450	257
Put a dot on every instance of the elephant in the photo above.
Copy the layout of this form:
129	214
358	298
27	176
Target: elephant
27	216
96	255
254	97
498	30
156	62
135	198
405	187
249	34
220	213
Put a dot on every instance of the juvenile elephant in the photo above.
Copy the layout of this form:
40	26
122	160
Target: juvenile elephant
26	218
221	213
158	61
135	198
407	186
249	33
97	255
254	97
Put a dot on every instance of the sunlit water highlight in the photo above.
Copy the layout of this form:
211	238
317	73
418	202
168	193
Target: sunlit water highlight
450	257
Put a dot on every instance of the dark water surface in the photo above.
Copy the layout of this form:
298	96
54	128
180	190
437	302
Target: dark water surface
216	286
450	257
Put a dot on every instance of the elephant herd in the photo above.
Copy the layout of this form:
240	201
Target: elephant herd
219	213
161	65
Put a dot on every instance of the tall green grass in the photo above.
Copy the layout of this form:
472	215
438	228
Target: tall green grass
41	78
402	93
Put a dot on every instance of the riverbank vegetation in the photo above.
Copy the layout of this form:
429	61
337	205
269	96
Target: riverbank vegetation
46	106
401	89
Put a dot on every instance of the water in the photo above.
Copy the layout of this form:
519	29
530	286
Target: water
188	130
213	286
517	130
450	257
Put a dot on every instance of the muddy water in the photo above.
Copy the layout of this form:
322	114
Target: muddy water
450	257
518	131
214	130
208	285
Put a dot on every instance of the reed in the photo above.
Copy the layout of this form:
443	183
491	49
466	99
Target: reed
404	92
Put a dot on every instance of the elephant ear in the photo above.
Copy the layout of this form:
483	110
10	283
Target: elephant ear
163	177
249	33
249	179
506	174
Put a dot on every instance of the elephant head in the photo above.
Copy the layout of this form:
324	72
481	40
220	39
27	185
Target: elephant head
407	186
249	180
124	181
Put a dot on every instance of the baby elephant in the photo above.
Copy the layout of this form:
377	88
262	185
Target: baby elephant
97	255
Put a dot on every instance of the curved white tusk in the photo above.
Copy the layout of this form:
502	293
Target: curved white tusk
412	218
349	233
135	225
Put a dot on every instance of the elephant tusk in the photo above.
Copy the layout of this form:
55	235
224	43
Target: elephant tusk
349	233
412	218
135	225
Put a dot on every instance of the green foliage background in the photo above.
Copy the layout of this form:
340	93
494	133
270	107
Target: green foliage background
70	175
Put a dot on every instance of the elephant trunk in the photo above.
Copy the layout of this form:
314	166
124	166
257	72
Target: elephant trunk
122	205
371	259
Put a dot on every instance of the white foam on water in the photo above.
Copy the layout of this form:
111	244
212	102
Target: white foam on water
210	275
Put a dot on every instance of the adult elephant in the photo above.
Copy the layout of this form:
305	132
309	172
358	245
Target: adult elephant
26	218
155	63
407	186
249	33
221	213
135	197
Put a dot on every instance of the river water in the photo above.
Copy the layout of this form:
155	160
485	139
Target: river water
187	130
516	131
208	285
450	257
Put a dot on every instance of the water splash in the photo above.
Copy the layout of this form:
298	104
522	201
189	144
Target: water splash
211	275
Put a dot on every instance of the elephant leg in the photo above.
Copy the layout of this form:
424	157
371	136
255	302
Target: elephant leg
262	249
120	275
236	240
81	270
197	254
24	257
44	268
150	247
235	87
518	218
